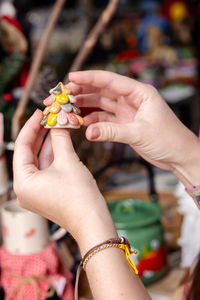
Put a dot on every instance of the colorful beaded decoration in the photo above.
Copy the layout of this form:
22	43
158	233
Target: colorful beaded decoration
195	194
123	246
62	113
119	242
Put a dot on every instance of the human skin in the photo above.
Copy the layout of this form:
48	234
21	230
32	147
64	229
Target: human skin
134	113
59	187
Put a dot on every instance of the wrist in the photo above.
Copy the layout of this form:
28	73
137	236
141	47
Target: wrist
95	228
188	171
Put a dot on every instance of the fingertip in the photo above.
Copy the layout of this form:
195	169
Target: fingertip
49	100
93	133
34	120
86	120
72	75
38	112
75	76
32	126
36	116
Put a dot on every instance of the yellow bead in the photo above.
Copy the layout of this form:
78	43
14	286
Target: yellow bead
55	107
62	98
52	119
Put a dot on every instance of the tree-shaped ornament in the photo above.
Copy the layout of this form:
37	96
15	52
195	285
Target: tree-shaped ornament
62	113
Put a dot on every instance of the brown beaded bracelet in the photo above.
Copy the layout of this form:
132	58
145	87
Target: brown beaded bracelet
121	243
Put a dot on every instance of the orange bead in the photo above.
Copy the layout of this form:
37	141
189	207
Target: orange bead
46	110
55	107
80	119
65	90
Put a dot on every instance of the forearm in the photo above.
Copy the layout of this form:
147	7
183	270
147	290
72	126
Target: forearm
109	274
110	277
188	171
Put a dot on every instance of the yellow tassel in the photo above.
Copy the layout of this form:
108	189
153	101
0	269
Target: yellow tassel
128	253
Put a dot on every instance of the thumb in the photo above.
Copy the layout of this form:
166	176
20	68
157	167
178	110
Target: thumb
113	132
61	143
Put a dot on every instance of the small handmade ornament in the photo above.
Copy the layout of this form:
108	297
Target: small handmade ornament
62	113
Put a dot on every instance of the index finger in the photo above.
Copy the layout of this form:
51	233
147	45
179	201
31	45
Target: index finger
107	82
75	89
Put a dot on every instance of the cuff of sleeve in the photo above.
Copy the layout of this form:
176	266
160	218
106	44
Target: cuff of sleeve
195	194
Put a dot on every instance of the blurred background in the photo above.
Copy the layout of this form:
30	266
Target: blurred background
156	42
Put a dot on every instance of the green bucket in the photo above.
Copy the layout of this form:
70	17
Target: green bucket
139	221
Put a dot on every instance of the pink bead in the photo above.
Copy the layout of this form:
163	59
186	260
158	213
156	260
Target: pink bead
72	119
62	118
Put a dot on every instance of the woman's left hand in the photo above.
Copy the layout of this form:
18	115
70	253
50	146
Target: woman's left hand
56	184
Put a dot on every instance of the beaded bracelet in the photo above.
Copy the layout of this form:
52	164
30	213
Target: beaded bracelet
120	243
195	194
106	246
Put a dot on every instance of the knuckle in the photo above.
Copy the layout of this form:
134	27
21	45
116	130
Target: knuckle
109	133
151	89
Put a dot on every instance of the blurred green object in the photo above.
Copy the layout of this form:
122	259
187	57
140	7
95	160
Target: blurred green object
10	67
139	221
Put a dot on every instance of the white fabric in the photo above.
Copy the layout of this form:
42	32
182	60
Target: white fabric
190	231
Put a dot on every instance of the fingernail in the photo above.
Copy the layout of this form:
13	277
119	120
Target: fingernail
73	75
70	74
36	111
95	134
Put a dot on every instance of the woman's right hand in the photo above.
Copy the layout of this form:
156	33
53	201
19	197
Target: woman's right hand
135	113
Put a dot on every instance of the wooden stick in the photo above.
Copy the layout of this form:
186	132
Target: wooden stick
93	36
41	50
1	129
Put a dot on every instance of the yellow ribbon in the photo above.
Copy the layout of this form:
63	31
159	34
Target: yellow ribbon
128	253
